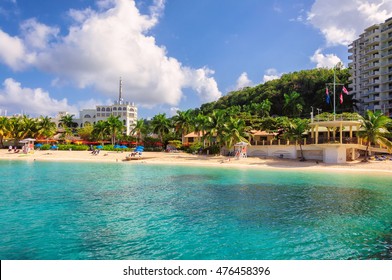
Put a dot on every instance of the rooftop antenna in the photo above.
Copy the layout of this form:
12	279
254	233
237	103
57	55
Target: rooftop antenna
120	92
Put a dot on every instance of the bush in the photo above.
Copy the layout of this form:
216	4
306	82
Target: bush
194	147
73	147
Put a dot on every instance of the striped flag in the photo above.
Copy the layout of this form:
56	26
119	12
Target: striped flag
341	98
345	90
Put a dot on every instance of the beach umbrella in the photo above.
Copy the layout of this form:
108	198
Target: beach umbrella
38	145
123	147
54	147
116	146
99	147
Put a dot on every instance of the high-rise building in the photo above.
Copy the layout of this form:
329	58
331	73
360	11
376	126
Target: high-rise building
371	68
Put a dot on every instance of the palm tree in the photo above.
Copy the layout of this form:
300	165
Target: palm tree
46	127
233	132
160	125
18	128
67	121
214	125
199	124
182	123
374	129
100	130
295	132
3	129
114	126
139	129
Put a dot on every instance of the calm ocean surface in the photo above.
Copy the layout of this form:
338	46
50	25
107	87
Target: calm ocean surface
56	210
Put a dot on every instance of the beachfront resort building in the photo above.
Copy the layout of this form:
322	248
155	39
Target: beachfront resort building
371	68
127	112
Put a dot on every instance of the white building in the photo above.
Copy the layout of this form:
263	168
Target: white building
371	68
127	112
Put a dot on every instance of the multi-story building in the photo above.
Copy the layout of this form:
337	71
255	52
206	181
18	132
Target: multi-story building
371	68
127	112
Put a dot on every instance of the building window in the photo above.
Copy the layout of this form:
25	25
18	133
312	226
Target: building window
124	114
98	109
124	122
87	116
108	109
119	108
98	114
107	114
114	108
124	108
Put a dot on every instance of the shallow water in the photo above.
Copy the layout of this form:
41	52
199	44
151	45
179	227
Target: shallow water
57	210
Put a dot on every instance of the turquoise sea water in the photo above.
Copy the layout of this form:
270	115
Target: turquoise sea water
57	210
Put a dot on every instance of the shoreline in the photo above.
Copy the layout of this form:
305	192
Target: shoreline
185	159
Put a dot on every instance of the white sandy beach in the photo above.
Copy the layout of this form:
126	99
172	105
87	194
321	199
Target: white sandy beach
200	160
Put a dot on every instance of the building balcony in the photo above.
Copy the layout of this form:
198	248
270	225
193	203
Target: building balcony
372	50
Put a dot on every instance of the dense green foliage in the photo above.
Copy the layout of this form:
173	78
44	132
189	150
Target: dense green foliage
308	84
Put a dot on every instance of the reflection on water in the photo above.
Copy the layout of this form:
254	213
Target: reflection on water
118	211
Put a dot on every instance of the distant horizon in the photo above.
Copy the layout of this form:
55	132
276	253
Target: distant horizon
171	55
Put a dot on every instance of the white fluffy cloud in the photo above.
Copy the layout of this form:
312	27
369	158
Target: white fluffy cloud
102	45
271	74
342	21
325	60
243	81
31	101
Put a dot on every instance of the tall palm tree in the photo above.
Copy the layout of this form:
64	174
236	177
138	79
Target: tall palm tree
182	123
139	129
46	127
3	129
100	130
67	121
18	128
295	132
160	125
214	125
114	126
199	124
374	129
233	132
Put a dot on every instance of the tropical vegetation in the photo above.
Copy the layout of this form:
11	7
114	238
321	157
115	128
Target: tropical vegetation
283	105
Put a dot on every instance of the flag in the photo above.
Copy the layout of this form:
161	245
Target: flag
341	98
345	90
328	99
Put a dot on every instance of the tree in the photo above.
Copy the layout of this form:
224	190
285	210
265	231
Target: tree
18	128
293	104
139	129
160	125
46	127
86	131
100	130
67	121
3	129
114	126
374	129
214	125
233	132
182	123
295	132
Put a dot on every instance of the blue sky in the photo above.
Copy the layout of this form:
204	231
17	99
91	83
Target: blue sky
171	54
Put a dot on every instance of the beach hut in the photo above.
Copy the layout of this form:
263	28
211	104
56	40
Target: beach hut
28	145
240	150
